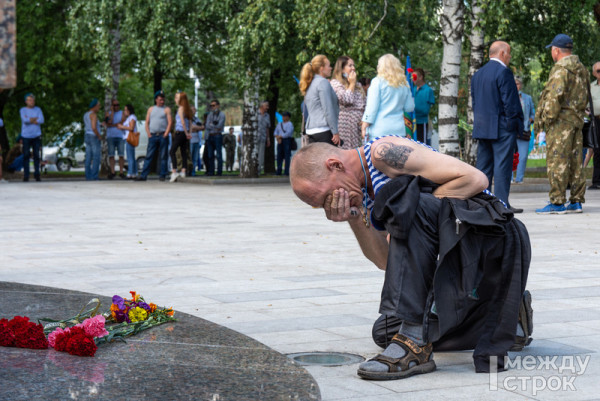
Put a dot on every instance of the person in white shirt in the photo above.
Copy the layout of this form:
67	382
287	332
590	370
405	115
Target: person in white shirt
284	133
129	126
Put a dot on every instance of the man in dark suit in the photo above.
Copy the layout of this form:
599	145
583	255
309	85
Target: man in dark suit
498	118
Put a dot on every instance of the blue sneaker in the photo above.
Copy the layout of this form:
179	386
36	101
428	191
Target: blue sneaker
552	209
574	208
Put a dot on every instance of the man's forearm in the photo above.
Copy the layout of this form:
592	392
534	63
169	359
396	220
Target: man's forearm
373	243
462	188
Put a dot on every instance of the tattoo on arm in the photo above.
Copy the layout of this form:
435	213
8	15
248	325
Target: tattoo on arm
392	155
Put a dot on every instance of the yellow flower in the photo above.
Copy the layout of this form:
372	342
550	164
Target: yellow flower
138	314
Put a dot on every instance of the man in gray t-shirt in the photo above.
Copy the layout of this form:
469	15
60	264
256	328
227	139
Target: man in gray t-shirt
264	124
158	128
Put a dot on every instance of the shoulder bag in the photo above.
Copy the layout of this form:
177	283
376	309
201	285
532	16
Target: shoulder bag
133	139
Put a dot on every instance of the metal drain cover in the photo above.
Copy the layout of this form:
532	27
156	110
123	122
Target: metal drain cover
325	358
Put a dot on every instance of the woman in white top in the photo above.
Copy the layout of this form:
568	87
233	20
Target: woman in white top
130	128
388	98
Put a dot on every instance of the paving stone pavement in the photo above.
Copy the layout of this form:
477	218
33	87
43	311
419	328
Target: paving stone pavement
255	259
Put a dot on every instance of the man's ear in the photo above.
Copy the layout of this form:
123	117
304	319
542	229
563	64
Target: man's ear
334	164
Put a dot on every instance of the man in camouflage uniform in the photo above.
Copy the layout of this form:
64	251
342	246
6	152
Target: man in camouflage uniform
560	114
229	144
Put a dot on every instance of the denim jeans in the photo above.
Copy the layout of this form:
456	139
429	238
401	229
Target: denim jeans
162	144
196	161
131	162
284	151
17	164
523	149
214	143
92	157
36	144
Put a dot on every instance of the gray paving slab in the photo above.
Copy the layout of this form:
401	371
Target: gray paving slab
286	276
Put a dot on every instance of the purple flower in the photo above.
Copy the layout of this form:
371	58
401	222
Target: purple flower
120	302
144	305
121	316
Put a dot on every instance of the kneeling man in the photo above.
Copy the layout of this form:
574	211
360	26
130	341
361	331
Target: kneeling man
456	262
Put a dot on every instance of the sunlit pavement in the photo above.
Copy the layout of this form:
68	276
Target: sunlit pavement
255	259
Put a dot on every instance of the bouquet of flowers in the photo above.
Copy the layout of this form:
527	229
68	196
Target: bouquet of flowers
80	339
80	335
21	333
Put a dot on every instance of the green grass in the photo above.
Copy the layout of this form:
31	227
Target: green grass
533	163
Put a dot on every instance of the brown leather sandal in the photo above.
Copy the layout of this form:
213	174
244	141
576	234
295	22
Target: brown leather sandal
400	368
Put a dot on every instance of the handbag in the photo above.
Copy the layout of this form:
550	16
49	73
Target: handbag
524	136
590	131
294	145
133	139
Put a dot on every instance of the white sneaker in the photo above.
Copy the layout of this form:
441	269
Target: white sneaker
182	174
174	177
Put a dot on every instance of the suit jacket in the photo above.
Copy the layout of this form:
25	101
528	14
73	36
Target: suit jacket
496	104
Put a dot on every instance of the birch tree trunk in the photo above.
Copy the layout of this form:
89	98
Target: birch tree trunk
111	92
452	24
475	63
249	162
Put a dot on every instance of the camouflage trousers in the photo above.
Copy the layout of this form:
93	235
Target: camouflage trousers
564	162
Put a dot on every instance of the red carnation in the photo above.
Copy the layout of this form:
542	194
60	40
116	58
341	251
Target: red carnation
414	76
60	342
18	323
515	161
410	70
31	336
81	345
7	338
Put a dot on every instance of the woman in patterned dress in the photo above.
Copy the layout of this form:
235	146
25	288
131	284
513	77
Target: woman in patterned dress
351	97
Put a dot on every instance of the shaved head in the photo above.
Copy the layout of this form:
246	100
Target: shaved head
497	47
309	162
596	70
501	51
311	177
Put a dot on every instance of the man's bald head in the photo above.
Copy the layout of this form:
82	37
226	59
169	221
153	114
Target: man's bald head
309	161
497	47
596	70
309	165
501	51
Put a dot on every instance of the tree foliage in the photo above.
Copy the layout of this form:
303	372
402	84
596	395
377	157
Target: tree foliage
61	80
228	41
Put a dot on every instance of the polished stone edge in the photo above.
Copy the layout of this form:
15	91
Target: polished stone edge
220	361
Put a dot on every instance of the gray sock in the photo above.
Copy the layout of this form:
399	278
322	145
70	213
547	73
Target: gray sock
412	331
520	331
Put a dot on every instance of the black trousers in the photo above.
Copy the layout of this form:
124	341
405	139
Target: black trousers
322	137
179	142
421	134
596	176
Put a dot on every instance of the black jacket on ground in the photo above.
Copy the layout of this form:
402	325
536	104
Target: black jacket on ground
459	267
